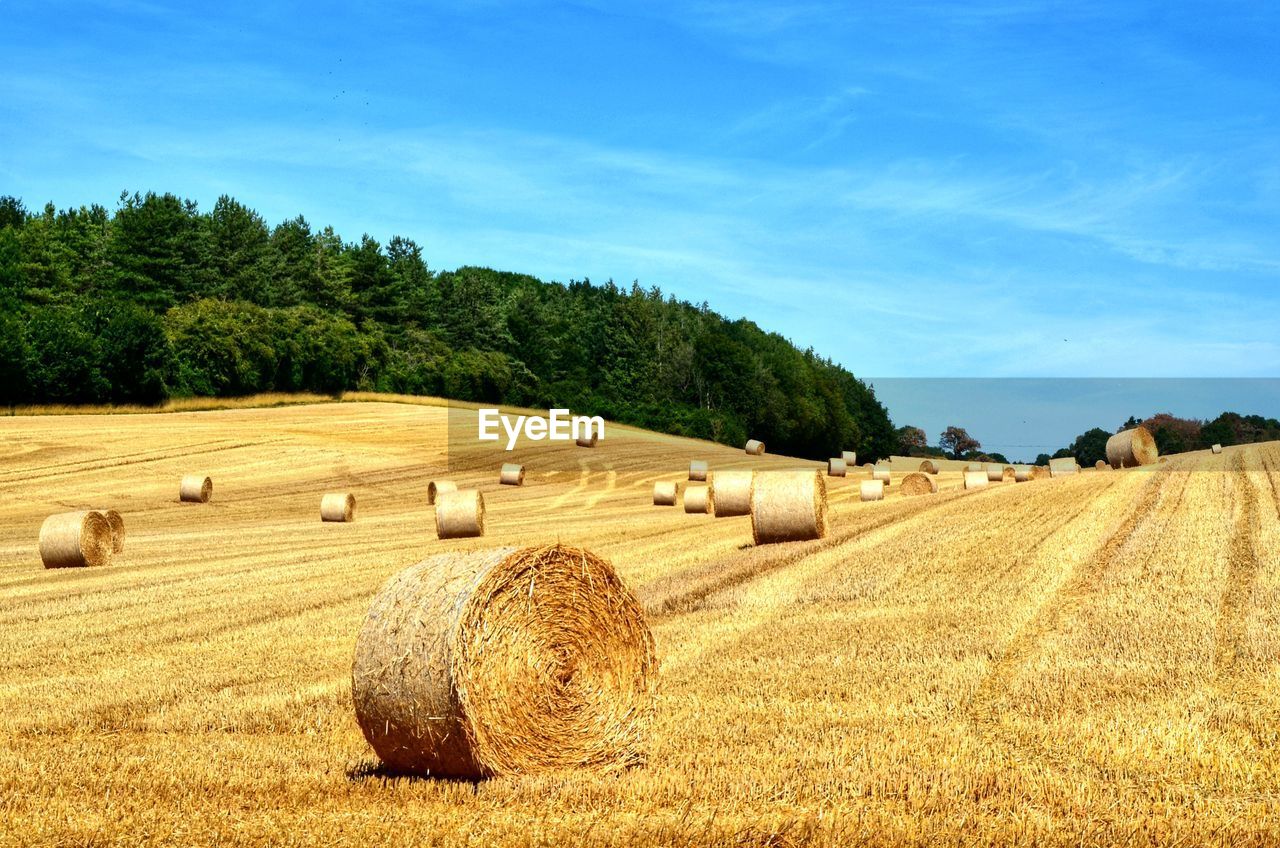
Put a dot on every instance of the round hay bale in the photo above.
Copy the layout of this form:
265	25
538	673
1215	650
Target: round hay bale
195	489
995	472
1131	448
929	467
1023	473
869	466
836	467
918	483
511	474
698	470
1009	475
755	447
1101	465
850	458
665	493
587	442
696	500
1063	466
871	490
75	540
730	493
505	661
975	479
881	473
1039	471
338	506
1216	448
438	487
460	514
788	506
116	520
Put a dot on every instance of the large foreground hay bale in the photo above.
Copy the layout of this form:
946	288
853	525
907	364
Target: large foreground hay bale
505	661
755	447
788	506
338	506
195	489
460	514
975	479
929	467
116	520
730	493
698	470
511	474
75	540
696	500
665	493
1131	448
850	458
918	483
1023	473
438	487
836	467
1216	449
871	490
1063	466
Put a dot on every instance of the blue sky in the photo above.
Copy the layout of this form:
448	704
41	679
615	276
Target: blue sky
1016	189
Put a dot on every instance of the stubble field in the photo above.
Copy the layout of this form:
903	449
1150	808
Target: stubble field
1083	660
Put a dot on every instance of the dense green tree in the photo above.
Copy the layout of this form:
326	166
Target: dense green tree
1090	446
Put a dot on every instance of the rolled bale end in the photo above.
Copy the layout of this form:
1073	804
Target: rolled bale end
730	493
511	474
116	520
438	487
1063	466
587	442
1216	449
696	500
918	483
76	540
975	479
836	467
1009	475
505	661
338	506
459	514
1040	471
929	467
1023	473
698	470
1101	465
1131	448
871	490
195	489
850	458
788	506
755	447
665	493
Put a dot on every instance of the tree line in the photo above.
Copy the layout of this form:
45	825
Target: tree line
157	299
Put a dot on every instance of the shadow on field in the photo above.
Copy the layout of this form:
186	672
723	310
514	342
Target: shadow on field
374	770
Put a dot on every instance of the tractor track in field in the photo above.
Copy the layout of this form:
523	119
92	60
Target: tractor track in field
1069	596
1230	633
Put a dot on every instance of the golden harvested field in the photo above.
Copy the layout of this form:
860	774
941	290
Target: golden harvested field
1084	660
